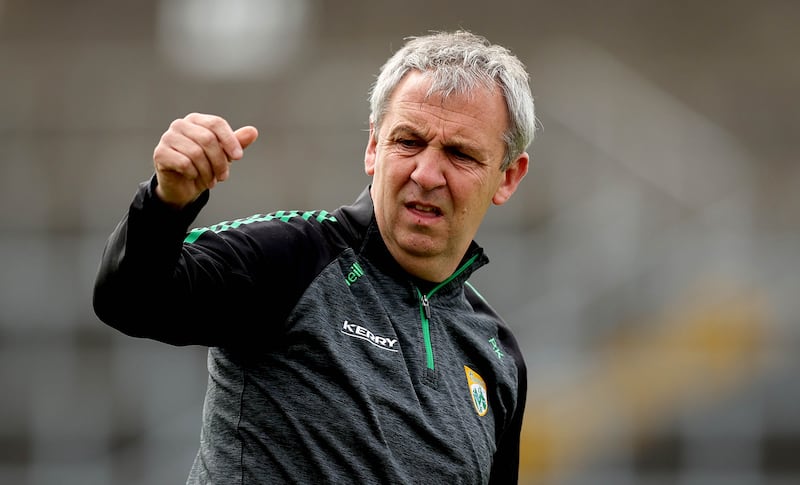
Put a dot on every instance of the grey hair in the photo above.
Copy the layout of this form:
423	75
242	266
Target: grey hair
458	62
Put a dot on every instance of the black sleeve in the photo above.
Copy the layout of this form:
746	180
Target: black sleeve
227	288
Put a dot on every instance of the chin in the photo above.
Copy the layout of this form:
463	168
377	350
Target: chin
420	248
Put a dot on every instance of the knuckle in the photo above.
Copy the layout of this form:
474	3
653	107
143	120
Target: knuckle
176	123
195	152
206	138
183	165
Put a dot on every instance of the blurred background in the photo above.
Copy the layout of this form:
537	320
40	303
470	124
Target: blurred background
648	264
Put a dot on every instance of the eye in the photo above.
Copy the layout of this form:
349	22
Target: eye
459	155
407	143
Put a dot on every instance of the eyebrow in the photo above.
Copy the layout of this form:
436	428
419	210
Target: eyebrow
405	128
461	146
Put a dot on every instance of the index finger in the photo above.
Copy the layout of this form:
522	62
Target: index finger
222	130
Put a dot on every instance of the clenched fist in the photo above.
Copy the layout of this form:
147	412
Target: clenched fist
195	153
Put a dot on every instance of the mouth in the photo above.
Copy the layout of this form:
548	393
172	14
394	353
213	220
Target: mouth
424	209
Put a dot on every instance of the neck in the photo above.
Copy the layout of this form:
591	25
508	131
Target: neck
429	269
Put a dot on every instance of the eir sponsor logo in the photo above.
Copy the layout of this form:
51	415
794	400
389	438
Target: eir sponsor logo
357	331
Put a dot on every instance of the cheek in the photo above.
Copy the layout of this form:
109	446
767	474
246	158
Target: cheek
471	191
393	172
474	201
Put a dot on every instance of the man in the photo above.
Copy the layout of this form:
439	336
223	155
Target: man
345	347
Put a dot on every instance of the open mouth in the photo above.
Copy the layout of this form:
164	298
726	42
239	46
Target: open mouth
424	209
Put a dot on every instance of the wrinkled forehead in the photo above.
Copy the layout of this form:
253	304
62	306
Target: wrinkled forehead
477	117
435	89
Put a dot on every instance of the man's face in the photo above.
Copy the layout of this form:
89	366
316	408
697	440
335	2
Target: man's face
436	169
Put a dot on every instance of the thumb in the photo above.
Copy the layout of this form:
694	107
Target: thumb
246	135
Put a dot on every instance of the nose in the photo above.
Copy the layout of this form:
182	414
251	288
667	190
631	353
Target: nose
429	170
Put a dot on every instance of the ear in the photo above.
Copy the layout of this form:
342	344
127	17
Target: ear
369	153
511	179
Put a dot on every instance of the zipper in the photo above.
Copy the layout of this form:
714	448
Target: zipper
425	317
425	311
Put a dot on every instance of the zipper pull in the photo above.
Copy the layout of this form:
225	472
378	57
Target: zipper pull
426	307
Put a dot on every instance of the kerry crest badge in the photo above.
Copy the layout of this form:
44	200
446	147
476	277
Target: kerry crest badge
477	390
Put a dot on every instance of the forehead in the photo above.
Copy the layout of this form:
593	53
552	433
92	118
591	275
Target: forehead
480	112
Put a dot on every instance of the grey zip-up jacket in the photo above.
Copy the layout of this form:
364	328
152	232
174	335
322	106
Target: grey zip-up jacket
328	363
